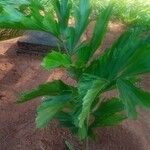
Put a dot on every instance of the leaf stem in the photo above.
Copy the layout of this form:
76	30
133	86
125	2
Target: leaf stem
87	138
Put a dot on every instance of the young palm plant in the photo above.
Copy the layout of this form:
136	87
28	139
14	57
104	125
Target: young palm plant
82	107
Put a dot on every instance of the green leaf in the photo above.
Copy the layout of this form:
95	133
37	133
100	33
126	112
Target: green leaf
14	2
140	59
83	55
65	120
86	51
111	120
91	89
111	106
115	60
132	96
50	88
56	59
13	18
86	81
69	37
82	132
81	18
50	24
62	9
101	27
109	113
30	15
128	98
49	108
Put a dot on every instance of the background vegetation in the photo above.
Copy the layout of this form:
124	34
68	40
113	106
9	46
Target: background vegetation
130	12
127	11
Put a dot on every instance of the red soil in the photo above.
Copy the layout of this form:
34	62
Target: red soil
17	128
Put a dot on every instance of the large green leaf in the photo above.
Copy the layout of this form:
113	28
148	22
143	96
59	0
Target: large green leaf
83	54
62	8
50	88
69	38
109	113
49	108
81	18
83	132
86	51
140	62
116	59
111	120
28	15
14	18
101	27
86	81
89	92
56	59
132	96
50	24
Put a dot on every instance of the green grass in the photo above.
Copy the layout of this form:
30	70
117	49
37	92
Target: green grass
127	11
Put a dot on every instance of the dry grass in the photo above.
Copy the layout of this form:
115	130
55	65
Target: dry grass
9	33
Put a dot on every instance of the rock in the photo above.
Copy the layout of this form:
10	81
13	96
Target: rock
37	42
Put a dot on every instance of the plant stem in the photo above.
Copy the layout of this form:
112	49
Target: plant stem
87	143
87	139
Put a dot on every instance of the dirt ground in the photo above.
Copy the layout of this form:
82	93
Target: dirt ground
17	128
